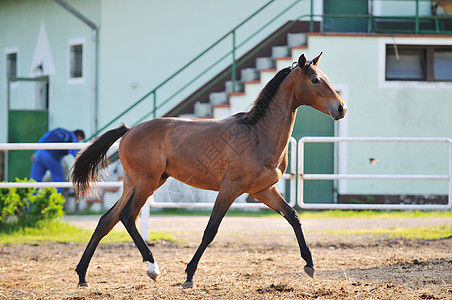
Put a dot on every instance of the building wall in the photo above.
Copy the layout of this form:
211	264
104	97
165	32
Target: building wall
141	43
41	32
378	108
144	42
401	7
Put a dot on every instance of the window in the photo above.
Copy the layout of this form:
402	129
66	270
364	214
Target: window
418	63
442	64
76	61
11	64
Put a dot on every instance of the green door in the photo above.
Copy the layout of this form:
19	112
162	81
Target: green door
318	157
345	7
24	126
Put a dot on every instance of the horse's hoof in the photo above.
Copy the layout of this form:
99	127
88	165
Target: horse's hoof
83	284
153	271
310	271
188	285
153	275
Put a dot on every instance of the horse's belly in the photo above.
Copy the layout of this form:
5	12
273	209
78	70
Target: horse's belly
197	176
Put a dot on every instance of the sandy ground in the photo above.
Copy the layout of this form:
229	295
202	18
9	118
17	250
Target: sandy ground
251	258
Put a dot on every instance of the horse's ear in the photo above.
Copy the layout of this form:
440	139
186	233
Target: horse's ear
301	61
315	61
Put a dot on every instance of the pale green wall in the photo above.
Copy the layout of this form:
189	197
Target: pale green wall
401	7
21	23
380	109
143	42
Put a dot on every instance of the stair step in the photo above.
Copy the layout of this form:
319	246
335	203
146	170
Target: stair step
218	98
238	102
251	81
187	116
203	109
238	86
283	62
267	75
280	51
265	63
249	74
296	39
221	111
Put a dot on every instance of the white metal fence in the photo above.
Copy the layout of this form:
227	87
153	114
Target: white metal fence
297	174
302	176
50	146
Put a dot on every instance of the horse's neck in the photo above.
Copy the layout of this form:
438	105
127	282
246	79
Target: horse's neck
275	128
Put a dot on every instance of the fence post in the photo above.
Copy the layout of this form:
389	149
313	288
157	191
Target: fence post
145	219
300	199
449	197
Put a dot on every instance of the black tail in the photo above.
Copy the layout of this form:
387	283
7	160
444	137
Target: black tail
86	167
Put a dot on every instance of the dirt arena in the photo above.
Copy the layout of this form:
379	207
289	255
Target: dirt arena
251	258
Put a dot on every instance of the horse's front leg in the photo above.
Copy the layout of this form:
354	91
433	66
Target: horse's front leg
273	199
224	200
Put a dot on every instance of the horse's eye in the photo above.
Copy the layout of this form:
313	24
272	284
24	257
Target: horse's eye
315	80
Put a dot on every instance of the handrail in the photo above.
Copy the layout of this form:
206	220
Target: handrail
235	64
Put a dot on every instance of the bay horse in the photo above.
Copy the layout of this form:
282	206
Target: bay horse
243	153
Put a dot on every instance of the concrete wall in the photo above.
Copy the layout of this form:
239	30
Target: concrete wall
41	32
141	43
377	108
145	42
401	7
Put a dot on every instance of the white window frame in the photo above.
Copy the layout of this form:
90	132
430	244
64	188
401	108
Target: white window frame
74	42
383	83
11	50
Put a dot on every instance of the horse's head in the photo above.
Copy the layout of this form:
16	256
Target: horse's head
314	89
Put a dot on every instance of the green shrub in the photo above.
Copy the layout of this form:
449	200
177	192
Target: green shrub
8	203
27	206
47	204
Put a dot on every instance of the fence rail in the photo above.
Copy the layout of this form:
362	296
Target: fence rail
302	176
50	146
296	174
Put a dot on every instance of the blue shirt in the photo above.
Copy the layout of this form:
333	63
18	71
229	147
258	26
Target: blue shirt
60	135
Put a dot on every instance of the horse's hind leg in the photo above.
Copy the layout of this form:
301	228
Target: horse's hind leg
104	226
129	215
273	199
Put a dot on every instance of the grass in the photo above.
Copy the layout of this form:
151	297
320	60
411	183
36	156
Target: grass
59	231
63	232
304	214
418	232
376	214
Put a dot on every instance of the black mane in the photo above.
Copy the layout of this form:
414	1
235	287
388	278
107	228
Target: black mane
264	99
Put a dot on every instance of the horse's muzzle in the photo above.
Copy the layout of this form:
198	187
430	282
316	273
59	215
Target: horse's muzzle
338	112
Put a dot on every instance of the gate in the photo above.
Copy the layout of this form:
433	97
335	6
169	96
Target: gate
302	176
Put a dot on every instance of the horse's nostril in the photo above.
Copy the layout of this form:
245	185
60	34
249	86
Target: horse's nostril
340	109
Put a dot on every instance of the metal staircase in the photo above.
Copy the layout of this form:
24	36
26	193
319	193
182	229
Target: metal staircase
188	84
233	98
